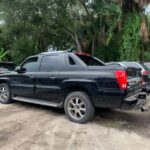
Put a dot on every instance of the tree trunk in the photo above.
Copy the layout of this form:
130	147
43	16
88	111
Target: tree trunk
79	48
93	44
75	38
141	57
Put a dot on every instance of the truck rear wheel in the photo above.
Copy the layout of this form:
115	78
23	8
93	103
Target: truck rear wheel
79	107
5	95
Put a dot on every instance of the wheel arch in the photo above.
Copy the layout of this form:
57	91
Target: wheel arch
88	105
5	92
76	87
4	80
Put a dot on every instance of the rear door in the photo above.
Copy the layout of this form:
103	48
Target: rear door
47	82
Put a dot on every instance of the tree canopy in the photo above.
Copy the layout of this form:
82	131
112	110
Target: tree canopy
109	29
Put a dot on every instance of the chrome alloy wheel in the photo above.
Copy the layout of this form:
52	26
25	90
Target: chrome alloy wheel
4	94
76	108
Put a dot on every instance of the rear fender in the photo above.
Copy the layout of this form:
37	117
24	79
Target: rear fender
88	85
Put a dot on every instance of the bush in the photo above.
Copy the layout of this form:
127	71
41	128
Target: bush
23	48
147	56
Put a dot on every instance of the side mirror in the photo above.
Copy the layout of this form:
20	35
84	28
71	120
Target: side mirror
18	69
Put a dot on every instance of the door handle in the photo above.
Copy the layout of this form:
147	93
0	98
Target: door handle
52	77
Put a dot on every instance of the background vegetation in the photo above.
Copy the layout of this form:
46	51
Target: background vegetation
112	30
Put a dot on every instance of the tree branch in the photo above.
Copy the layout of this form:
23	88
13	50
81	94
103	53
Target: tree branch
84	6
93	44
75	38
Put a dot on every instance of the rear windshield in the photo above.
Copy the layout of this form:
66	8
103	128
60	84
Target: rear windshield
90	61
9	67
145	67
131	64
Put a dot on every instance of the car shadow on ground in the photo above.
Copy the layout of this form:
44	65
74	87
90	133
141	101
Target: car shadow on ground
130	121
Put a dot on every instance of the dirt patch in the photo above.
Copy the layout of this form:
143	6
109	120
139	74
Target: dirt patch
31	127
130	121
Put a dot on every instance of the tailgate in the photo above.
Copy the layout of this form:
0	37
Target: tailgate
135	81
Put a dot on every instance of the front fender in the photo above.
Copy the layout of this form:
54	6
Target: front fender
5	80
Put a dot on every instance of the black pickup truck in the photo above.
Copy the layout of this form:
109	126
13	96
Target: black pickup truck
74	81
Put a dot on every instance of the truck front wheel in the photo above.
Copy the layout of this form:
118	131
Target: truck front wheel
5	95
79	107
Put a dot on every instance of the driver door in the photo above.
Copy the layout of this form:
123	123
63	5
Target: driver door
23	83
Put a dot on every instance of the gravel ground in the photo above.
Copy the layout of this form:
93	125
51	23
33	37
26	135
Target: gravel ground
31	127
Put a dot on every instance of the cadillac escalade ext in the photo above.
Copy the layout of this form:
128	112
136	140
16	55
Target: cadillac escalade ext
74	81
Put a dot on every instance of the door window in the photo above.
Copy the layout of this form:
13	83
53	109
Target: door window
51	63
31	64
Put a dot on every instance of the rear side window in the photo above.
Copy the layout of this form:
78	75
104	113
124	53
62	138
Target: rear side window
71	61
90	61
51	63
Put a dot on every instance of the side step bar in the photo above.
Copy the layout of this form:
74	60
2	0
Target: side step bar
39	102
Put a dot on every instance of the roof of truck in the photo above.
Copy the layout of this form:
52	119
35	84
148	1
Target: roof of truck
52	52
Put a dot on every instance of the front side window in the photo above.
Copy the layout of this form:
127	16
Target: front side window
51	63
31	64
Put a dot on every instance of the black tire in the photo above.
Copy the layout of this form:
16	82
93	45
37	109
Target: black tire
79	107
5	95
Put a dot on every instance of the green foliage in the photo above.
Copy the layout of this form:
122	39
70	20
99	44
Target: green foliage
147	56
108	29
130	48
23	47
3	54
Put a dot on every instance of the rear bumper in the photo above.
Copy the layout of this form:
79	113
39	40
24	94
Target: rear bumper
136	102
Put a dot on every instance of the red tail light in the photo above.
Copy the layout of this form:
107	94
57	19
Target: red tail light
145	73
121	77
